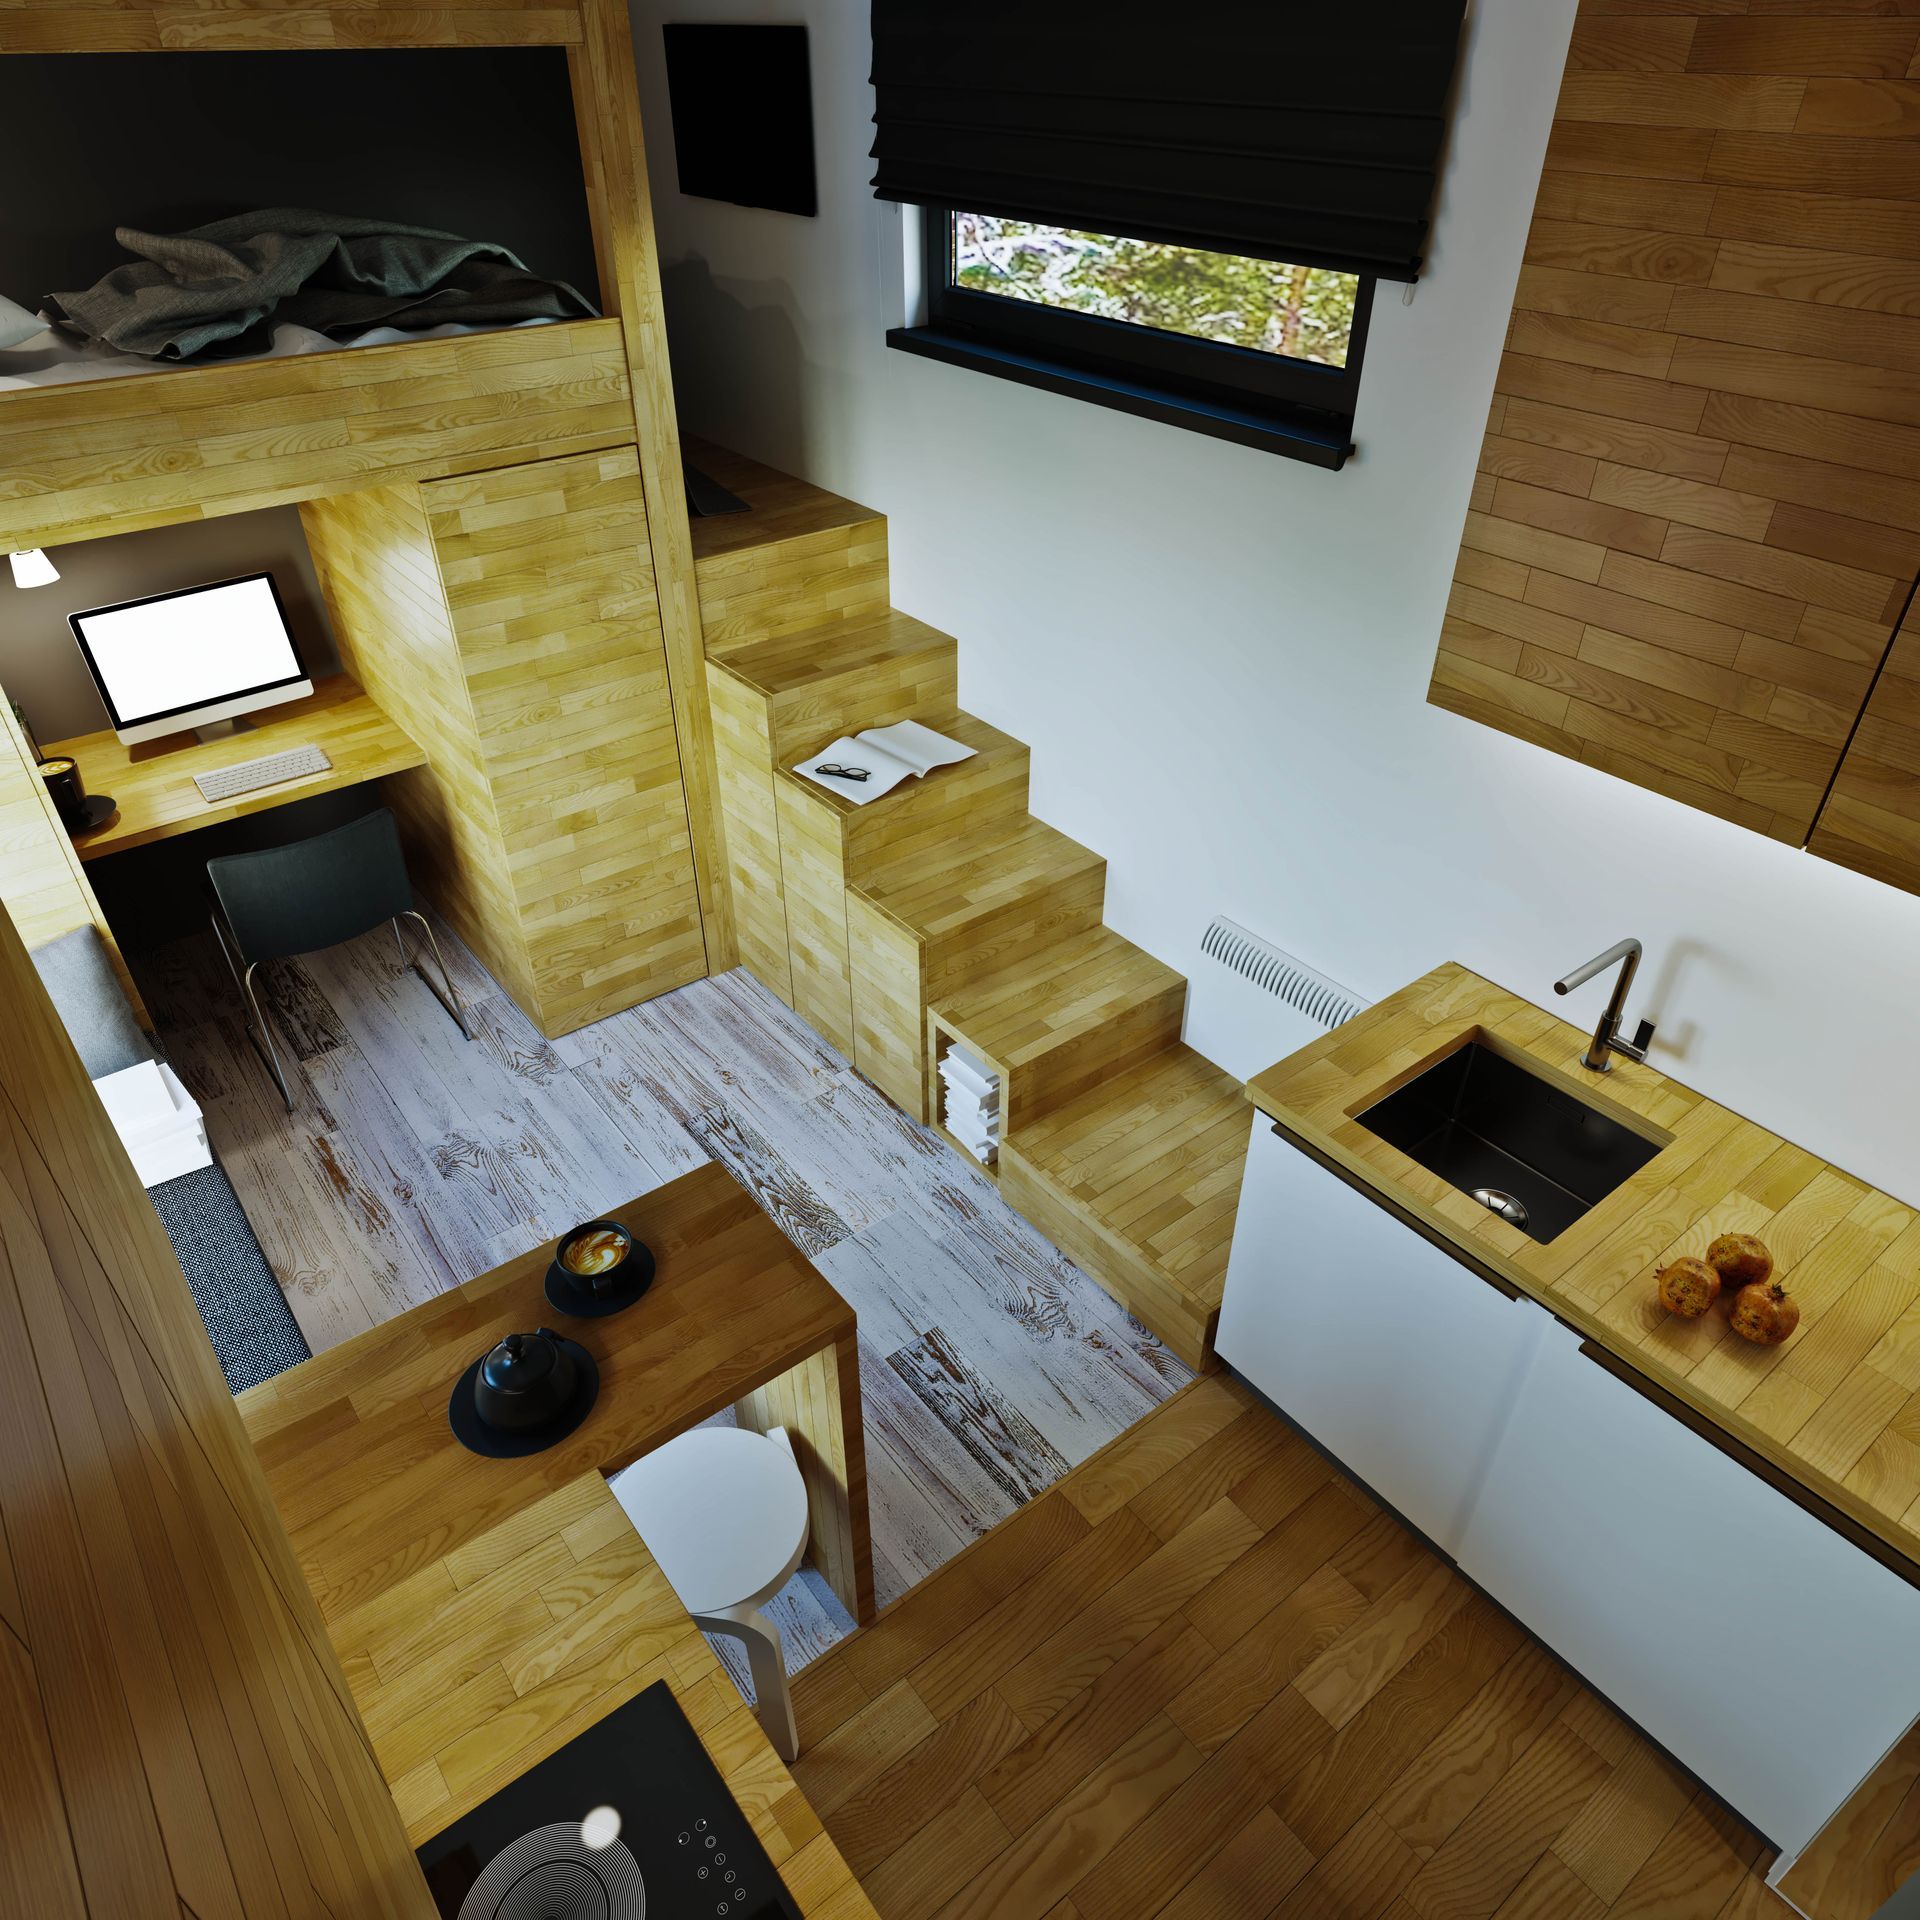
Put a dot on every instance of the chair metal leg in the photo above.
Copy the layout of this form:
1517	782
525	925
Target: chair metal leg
257	1029
767	1662
450	997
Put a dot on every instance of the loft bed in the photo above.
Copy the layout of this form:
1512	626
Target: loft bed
368	440
260	420
78	461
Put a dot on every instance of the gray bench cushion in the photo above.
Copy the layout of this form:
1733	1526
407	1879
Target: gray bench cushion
80	981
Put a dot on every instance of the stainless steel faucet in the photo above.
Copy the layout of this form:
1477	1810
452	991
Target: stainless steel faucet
1606	1039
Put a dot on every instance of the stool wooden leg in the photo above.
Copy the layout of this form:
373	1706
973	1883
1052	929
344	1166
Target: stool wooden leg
767	1662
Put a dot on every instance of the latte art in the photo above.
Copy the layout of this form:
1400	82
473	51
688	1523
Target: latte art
597	1251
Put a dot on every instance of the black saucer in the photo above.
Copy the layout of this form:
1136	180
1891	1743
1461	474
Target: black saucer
573	1293
476	1436
95	810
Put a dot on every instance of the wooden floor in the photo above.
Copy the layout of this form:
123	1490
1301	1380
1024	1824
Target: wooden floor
989	1364
1870	1848
1205	1676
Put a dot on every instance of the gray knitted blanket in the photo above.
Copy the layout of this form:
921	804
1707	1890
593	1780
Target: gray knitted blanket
216	284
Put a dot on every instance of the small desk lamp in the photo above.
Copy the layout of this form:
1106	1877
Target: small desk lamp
32	568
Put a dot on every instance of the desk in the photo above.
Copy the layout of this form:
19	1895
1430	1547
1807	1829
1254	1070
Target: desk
153	783
372	1487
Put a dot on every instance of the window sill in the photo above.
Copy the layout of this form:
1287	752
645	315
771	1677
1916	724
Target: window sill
1320	440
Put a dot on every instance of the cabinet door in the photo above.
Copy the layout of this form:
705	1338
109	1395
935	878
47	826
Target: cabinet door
1396	1358
1871	819
1772	1657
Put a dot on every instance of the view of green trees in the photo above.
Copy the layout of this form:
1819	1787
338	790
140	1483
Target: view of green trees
1303	312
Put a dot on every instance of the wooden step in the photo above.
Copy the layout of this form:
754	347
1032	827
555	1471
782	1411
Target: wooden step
1138	1181
826	681
800	557
921	926
1057	1023
920	817
827	844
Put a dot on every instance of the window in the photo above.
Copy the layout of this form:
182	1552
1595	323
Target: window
1252	350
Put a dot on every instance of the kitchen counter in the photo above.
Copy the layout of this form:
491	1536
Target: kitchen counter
485	1611
482	1662
1832	1416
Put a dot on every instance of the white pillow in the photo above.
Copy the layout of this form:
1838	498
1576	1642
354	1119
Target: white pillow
17	324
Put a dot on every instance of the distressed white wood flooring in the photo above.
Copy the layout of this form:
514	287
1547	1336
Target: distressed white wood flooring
989	1364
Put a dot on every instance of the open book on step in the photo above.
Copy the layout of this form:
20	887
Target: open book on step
865	765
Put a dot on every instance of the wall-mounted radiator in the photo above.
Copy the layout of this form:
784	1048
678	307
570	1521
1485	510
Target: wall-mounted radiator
1256	1002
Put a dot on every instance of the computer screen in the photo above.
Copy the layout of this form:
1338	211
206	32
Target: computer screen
179	652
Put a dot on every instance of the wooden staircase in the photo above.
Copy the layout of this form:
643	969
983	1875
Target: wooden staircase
944	913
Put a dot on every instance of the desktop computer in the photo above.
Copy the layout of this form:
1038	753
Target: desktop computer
198	657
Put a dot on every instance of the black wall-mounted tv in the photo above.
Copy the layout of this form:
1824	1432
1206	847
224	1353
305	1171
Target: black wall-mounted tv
742	100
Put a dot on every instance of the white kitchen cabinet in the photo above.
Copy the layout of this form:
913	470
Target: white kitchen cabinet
1768	1654
1401	1362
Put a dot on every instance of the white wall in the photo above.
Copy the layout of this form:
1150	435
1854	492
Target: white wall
1220	657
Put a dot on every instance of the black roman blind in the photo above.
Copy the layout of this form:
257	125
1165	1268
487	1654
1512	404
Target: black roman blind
1285	132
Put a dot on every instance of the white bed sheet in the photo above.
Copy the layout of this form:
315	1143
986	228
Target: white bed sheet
53	358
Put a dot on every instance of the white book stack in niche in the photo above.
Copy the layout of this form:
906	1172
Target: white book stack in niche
971	1103
158	1121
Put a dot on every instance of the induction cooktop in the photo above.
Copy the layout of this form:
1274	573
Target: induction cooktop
628	1821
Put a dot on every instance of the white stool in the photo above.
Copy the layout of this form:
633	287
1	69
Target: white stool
724	1512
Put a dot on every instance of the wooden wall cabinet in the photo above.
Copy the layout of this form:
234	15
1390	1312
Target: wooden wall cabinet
1871	821
1696	521
509	622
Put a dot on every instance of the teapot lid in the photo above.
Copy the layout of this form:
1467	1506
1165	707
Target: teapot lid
520	1361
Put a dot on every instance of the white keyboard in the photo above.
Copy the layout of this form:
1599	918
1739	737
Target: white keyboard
247	776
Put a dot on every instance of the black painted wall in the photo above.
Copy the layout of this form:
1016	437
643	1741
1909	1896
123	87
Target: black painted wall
479	142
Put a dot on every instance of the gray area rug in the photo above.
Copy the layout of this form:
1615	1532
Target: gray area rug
252	1329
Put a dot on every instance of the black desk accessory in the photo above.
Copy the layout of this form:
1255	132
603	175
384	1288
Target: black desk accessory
78	809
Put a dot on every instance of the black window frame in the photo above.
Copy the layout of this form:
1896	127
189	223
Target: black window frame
1289	406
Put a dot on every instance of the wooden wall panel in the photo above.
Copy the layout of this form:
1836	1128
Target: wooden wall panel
1698	507
373	554
175	1734
549	578
614	150
42	884
99	457
508	620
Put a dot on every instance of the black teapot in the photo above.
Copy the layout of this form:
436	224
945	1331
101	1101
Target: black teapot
527	1381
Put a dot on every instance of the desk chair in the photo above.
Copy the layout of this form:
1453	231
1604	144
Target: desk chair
312	894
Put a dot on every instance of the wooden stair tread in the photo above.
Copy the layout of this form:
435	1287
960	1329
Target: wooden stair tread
979	872
781	507
1029	1008
793	662
991	749
1155	1157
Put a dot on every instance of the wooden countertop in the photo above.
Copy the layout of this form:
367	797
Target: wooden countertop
485	1611
153	782
1835	1411
367	1476
491	1657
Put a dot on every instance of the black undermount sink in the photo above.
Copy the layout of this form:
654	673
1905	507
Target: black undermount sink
1517	1143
